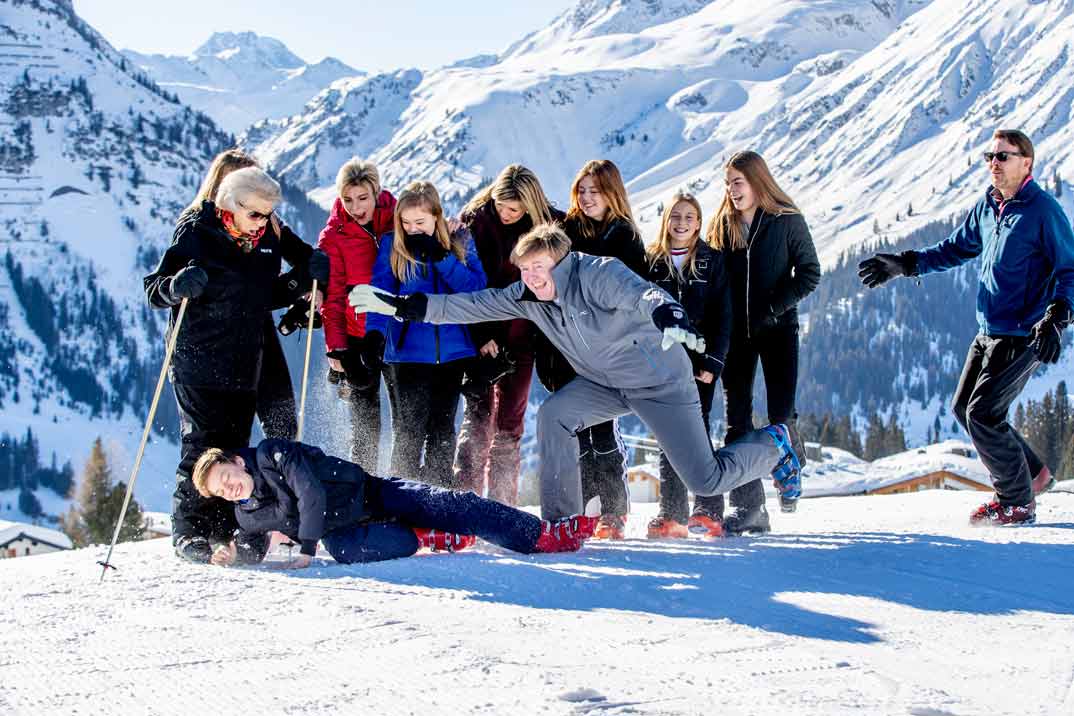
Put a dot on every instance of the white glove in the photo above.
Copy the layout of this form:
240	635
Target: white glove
675	335
366	299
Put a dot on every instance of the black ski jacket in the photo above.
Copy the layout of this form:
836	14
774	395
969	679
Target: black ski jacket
301	492
219	344
705	293
617	239
778	269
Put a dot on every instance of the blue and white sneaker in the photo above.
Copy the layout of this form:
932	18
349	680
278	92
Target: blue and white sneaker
787	475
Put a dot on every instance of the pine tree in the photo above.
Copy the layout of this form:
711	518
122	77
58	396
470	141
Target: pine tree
93	518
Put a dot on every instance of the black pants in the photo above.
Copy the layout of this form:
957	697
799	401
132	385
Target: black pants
424	399
777	350
363	401
602	464
275	394
208	417
997	369
674	501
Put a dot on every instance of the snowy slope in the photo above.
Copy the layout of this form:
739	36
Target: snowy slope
857	605
238	78
97	164
862	108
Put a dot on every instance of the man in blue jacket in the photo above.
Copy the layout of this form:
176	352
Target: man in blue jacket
1024	301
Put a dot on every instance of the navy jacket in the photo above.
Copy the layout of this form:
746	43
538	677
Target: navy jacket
705	293
415	342
301	492
1027	258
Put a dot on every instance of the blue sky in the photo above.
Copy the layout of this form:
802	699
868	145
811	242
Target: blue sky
362	33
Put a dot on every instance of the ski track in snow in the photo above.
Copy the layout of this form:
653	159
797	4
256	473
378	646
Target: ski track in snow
863	605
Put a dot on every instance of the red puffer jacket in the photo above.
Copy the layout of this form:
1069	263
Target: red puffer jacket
352	251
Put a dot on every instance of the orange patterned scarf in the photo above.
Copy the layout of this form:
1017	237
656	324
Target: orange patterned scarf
246	242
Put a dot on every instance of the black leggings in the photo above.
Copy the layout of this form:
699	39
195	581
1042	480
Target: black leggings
776	349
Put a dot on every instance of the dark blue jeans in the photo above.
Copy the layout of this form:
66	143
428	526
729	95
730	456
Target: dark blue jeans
396	506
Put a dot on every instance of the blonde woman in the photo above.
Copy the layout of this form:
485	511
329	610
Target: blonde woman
362	213
692	272
600	223
497	385
772	265
424	363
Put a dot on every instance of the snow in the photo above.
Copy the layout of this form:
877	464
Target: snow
241	78
870	605
12	530
842	473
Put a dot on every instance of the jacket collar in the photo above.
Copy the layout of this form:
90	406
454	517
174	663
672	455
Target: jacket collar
1027	192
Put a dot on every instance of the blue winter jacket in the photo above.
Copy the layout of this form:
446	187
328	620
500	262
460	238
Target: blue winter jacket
416	342
1027	258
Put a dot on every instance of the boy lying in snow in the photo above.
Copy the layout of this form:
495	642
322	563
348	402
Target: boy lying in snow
296	489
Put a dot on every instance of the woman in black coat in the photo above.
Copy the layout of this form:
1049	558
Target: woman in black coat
599	222
225	258
771	265
693	273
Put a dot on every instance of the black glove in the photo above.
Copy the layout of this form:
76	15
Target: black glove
425	247
298	316
372	353
194	549
884	267
188	282
485	371
318	267
1046	336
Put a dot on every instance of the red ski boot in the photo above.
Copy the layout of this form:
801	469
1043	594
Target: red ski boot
705	523
661	527
440	541
993	513
568	534
610	527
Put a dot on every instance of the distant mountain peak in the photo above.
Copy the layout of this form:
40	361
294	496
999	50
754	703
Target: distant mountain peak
268	50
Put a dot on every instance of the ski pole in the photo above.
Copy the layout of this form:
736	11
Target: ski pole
306	365
107	563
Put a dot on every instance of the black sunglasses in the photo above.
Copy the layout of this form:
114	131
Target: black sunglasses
257	215
1001	156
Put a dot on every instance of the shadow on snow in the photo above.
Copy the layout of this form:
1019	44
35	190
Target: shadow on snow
742	579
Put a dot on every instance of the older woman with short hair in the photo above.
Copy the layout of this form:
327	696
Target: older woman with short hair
225	258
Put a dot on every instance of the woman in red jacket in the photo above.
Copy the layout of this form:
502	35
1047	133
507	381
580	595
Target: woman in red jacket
361	214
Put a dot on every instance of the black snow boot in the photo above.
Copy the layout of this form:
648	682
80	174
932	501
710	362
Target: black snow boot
753	520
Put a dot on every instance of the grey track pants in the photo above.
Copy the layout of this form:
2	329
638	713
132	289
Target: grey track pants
671	411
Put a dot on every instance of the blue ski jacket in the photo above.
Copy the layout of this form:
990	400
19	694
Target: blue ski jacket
1027	258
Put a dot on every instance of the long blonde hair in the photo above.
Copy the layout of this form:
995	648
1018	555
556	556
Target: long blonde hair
660	250
725	229
515	183
610	183
223	164
422	195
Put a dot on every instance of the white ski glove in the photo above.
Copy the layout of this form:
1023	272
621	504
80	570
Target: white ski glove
674	324
680	335
366	299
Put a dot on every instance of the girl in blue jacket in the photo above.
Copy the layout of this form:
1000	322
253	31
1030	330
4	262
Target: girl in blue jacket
424	363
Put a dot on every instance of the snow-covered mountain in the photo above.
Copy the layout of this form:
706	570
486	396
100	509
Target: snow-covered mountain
865	110
96	162
871	114
238	78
